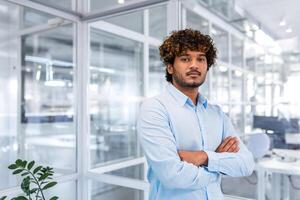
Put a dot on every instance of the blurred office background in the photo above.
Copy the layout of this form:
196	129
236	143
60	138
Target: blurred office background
74	72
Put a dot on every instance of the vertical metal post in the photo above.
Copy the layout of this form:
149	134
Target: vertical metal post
261	183
82	39
145	82
229	74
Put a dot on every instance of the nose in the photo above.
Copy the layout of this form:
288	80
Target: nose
194	64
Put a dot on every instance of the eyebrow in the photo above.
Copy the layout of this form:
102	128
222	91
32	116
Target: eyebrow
200	54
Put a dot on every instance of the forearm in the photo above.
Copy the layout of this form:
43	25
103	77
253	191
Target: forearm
182	175
232	164
198	158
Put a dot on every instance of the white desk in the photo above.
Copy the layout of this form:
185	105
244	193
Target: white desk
292	138
279	170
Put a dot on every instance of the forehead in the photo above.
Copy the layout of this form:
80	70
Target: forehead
194	53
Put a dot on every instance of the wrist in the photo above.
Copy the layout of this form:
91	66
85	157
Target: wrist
203	158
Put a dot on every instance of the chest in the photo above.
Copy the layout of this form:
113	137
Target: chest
196	128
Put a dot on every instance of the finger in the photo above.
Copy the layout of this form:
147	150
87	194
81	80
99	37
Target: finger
228	144
224	142
237	149
233	148
232	142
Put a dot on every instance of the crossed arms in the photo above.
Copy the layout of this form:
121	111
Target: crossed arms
183	169
200	158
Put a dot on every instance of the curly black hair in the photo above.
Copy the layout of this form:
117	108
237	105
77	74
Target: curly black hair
180	41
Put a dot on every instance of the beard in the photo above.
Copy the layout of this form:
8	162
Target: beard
179	79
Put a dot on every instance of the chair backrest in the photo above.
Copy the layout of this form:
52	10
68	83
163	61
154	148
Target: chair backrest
258	144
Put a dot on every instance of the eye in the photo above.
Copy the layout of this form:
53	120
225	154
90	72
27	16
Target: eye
202	59
185	59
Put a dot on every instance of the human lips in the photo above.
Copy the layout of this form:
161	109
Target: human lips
193	73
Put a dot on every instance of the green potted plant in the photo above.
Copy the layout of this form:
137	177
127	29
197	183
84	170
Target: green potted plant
36	179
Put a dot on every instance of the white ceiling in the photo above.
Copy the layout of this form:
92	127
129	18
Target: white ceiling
269	13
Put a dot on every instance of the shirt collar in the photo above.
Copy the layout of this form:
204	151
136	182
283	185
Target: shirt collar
182	98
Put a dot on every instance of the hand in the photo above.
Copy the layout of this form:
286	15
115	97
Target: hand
197	158
229	144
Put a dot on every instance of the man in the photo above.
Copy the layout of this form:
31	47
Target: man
188	142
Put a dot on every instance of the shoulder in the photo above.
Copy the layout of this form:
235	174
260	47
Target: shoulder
153	110
215	108
156	102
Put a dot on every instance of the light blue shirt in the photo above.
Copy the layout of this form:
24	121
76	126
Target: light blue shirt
171	122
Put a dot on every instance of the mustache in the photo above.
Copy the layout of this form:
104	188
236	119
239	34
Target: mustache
193	72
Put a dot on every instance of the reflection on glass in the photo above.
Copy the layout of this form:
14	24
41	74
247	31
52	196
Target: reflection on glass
67	4
158	22
249	112
260	95
194	21
277	92
250	88
204	88
220	37
250	55
205	1
48	133
260	65
115	94
132	21
236	115
157	80
223	7
236	51
269	98
33	17
134	172
220	84
236	93
103	191
9	68
60	191
96	5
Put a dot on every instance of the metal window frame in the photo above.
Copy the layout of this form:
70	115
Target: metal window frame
63	13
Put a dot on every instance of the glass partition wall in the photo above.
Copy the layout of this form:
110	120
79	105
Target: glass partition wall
71	87
37	112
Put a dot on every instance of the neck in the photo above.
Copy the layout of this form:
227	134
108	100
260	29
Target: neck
192	93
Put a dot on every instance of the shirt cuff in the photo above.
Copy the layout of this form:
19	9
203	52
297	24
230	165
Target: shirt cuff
213	161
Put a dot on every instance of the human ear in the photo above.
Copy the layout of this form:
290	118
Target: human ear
170	68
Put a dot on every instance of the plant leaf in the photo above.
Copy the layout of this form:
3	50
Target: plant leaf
54	198
30	165
19	162
49	185
43	177
2	198
25	185
12	166
18	171
33	190
20	198
24	163
25	173
37	169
